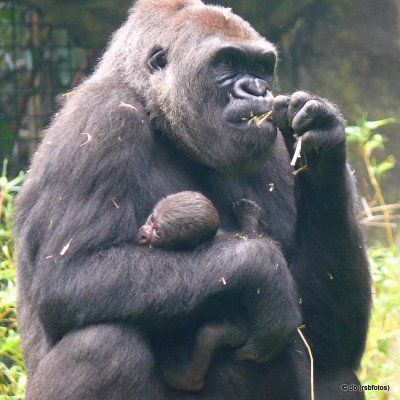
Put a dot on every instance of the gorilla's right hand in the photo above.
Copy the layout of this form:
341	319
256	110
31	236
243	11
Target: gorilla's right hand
257	271
273	313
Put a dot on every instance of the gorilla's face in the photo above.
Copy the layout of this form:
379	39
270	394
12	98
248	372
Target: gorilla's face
209	92
245	82
240	81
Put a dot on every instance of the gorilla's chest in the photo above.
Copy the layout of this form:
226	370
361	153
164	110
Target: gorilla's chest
273	194
272	188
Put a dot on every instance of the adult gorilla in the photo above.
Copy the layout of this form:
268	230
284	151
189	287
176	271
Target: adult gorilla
165	111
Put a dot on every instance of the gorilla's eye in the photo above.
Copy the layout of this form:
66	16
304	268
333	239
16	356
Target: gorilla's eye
267	64
157	60
261	68
228	63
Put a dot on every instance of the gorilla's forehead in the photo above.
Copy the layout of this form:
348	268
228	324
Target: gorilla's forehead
221	24
217	20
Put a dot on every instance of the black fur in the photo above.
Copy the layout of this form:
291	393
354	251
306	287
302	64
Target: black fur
162	113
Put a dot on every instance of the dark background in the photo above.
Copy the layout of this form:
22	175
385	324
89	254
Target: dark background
347	51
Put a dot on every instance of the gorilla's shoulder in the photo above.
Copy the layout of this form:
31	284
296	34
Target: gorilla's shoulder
99	113
102	128
103	100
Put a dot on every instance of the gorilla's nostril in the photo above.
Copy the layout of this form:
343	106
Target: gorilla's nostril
261	87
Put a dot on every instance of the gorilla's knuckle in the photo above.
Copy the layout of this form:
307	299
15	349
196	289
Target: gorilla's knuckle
255	248
260	262
315	107
281	102
299	98
286	327
209	333
293	322
302	94
288	334
245	249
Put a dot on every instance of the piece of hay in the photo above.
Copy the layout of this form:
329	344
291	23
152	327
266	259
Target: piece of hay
89	138
222	280
297	152
259	119
127	105
65	248
311	362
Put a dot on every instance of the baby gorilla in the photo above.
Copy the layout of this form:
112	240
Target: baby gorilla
181	220
184	220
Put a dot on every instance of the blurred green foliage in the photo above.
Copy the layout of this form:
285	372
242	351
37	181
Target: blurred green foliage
368	141
12	373
381	362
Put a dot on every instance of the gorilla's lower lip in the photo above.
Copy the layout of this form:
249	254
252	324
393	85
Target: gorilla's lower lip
242	113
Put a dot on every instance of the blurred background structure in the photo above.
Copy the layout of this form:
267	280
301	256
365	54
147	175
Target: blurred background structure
346	51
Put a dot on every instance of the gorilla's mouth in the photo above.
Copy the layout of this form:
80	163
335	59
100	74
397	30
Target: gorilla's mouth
247	114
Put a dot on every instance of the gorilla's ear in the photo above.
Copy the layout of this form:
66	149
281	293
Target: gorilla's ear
157	59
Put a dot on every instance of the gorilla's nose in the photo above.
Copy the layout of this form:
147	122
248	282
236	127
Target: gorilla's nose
247	87
144	234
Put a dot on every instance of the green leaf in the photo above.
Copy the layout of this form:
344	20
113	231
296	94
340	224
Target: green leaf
354	133
376	142
372	125
385	166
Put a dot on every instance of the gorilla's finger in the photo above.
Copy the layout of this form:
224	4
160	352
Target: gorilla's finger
297	102
279	112
305	118
247	352
314	139
256	350
280	102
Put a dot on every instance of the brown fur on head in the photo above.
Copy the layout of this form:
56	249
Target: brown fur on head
214	19
166	6
181	220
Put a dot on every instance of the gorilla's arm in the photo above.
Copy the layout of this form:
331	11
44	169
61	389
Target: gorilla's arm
89	189
331	267
149	287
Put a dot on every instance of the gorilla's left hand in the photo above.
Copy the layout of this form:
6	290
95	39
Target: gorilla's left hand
318	122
